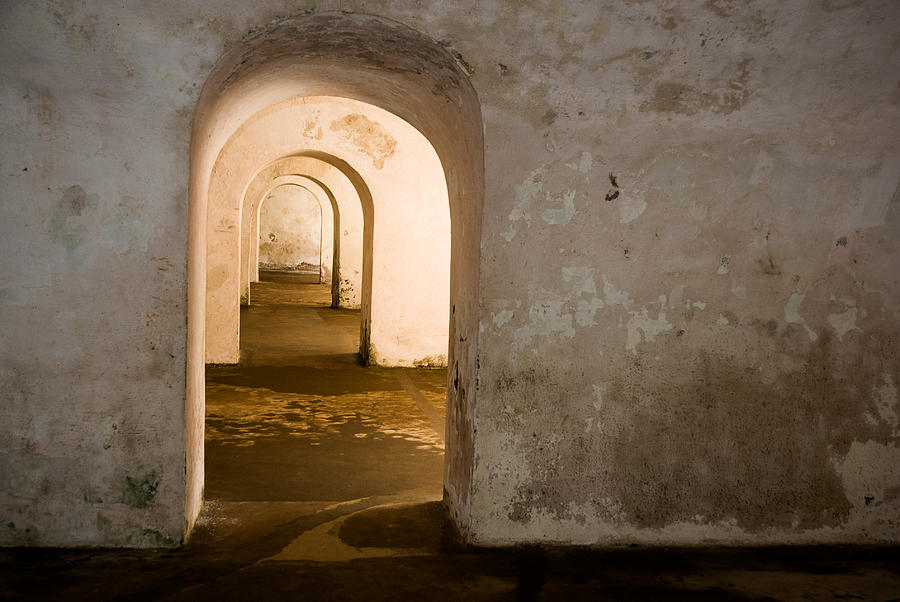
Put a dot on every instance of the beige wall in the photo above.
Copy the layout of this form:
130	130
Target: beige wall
675	318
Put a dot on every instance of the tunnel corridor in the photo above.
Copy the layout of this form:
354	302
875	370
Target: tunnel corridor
300	419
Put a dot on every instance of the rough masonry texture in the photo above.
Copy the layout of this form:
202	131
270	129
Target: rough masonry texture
687	301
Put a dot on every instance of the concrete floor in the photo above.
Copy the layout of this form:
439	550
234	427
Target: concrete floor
324	483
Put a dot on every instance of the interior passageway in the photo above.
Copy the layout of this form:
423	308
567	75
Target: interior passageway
300	419
407	136
295	233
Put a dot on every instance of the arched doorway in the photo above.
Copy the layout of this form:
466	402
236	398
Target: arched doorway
401	185
325	182
393	69
295	231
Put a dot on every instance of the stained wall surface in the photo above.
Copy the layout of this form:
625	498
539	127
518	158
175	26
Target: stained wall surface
688	284
295	232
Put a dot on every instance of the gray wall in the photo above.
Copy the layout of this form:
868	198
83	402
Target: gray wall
689	281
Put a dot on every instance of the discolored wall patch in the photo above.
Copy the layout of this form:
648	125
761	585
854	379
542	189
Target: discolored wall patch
369	137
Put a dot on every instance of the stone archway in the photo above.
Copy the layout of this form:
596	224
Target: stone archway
400	181
327	182
346	248
306	222
386	65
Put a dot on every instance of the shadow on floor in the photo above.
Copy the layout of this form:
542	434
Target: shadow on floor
363	550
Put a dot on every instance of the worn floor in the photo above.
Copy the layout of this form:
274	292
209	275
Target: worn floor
324	483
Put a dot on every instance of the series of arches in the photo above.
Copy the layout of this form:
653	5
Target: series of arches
294	230
336	196
382	123
405	289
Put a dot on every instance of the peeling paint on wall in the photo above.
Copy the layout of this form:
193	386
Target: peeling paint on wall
582	278
641	327
560	216
586	312
844	322
792	314
614	296
584	165
546	318
501	318
368	136
526	192
864	487
631	208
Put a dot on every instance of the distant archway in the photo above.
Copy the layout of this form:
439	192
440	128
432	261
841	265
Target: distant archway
258	190
295	230
346	206
400	182
386	65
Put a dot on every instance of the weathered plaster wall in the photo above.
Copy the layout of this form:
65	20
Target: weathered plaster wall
688	295
703	226
295	232
92	271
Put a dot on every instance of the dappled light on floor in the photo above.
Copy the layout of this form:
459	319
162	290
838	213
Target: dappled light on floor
300	419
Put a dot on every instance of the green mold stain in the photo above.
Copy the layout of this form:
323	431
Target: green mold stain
139	493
